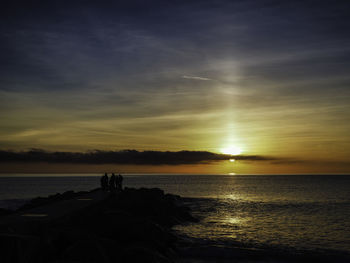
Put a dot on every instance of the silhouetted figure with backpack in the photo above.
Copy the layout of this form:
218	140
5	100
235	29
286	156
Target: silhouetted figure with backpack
104	182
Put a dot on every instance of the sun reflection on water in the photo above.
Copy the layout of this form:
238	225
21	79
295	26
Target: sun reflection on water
234	220
233	196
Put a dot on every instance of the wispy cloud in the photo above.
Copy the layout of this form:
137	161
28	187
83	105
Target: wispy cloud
195	77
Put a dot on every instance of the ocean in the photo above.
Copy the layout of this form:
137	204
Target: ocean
294	212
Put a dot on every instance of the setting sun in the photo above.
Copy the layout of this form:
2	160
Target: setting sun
232	150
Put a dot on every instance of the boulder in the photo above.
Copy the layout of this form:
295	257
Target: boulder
17	248
86	251
142	254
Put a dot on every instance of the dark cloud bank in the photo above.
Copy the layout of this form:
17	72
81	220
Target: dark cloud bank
124	157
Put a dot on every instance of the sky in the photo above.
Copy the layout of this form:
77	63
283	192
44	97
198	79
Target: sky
267	78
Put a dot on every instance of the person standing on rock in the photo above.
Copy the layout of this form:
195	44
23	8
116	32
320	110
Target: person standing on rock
120	182
117	183
104	182
112	183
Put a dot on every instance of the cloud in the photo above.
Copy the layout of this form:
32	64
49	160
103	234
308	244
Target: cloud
112	75
124	157
195	77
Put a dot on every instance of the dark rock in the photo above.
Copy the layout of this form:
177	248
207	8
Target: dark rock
60	238
86	251
4	212
151	204
19	248
40	201
130	226
144	255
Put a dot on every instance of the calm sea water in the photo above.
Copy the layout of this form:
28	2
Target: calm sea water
309	212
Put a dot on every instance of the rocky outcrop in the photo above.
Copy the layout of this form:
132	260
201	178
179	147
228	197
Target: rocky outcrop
131	226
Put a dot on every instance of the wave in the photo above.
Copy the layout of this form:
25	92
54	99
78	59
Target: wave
210	251
306	228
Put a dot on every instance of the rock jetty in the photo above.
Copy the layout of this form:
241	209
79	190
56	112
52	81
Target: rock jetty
131	226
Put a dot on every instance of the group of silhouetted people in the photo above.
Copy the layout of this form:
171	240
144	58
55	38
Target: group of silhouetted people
114	183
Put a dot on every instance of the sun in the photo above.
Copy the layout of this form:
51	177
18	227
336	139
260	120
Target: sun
231	150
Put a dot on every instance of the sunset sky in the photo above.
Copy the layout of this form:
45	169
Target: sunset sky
268	78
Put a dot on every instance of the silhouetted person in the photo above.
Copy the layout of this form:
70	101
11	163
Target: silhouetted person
112	182
120	182
104	182
117	182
